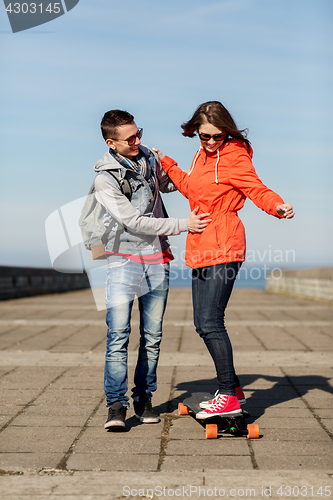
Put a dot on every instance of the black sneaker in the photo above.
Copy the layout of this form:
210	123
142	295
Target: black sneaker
144	411
116	416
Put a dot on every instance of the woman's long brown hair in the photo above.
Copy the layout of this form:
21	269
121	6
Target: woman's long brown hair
216	114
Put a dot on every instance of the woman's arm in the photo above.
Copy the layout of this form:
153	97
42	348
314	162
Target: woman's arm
176	174
243	176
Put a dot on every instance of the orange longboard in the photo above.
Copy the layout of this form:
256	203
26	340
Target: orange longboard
233	424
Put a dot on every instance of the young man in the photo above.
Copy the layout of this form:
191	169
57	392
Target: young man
138	253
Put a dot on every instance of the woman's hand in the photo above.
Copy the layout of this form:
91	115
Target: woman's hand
195	224
159	154
286	210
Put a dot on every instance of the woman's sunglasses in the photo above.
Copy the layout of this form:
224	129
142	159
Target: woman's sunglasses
132	140
207	137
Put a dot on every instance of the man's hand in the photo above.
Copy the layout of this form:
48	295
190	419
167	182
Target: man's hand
286	210
195	224
159	154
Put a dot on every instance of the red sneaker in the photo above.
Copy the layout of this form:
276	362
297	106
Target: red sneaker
239	395
224	404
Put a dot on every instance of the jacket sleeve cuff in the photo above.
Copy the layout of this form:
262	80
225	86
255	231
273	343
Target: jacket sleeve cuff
167	163
183	225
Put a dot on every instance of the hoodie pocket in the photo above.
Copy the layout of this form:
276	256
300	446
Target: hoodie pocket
238	236
222	236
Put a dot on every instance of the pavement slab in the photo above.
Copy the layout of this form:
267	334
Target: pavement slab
52	408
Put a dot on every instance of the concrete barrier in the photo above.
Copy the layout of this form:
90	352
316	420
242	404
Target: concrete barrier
314	283
23	281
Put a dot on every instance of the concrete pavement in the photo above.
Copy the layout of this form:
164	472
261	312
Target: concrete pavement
52	411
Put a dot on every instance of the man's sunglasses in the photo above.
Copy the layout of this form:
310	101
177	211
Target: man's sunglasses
131	140
207	137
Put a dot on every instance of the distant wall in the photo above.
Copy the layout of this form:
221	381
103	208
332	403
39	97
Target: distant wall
23	281
314	283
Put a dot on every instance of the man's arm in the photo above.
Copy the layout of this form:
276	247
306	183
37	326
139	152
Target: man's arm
121	209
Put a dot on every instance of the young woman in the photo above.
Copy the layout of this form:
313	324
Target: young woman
221	177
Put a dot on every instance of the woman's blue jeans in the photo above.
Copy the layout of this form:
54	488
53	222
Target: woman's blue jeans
150	283
211	290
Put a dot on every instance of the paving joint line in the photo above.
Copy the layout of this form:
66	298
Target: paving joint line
307	348
168	417
317	314
136	347
10	329
229	322
266	317
62	465
47	329
65	338
98	343
174	303
309	407
252	455
180	340
54	314
257	338
32	400
40	471
9	371
326	334
166	424
288	314
300	297
235	312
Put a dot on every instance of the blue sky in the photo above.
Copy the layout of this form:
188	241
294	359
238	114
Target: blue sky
269	62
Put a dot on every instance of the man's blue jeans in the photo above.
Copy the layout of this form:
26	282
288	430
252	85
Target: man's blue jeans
211	290
150	283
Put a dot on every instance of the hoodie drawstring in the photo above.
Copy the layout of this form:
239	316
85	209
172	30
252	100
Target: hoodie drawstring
216	164
195	159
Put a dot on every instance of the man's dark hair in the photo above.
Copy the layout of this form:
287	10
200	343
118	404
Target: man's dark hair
113	119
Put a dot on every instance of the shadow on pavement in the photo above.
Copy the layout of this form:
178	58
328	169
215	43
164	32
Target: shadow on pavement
284	389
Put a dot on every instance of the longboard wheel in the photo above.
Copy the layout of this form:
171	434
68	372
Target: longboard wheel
182	409
252	431
211	431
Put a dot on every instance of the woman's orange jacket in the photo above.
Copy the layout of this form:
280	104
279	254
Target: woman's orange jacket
219	183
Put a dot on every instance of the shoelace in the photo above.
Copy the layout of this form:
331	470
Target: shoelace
211	401
220	402
115	413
